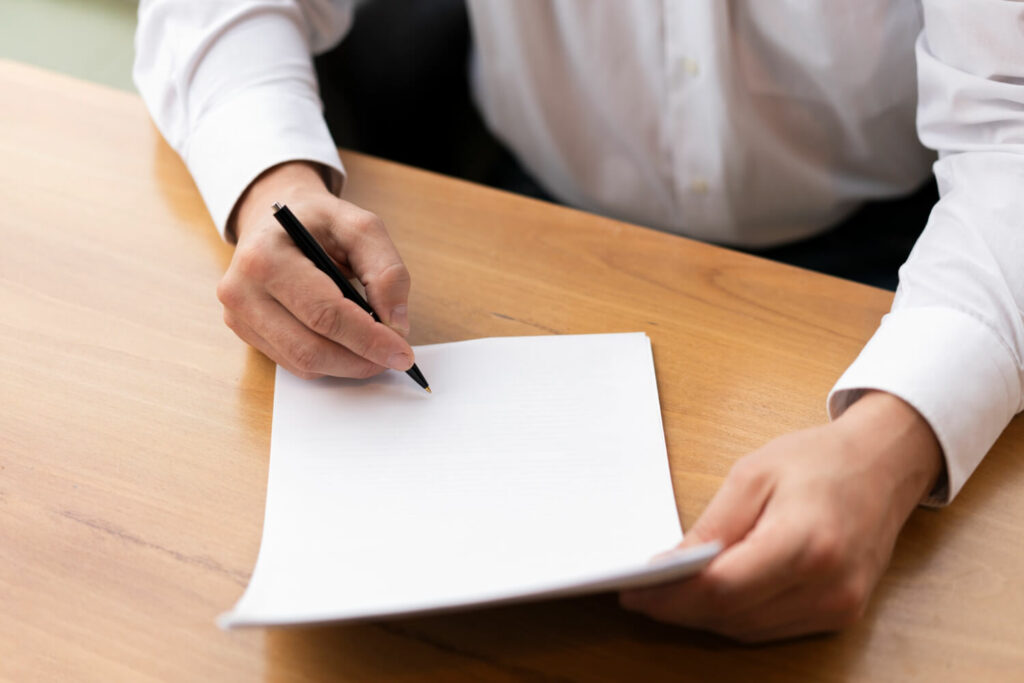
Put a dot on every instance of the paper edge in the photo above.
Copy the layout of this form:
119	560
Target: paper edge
682	564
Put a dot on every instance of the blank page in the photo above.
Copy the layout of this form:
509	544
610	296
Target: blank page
537	467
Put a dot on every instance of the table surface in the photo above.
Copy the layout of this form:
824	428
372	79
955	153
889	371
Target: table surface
135	428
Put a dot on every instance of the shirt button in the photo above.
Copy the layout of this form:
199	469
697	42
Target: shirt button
691	67
699	185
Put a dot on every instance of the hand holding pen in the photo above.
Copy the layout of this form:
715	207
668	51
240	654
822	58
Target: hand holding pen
275	300
308	245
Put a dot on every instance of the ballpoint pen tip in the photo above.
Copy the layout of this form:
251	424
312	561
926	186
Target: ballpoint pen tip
428	390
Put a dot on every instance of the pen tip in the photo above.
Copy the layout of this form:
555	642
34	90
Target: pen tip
277	206
428	390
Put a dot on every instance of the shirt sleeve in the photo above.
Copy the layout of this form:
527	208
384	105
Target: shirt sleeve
232	88
953	343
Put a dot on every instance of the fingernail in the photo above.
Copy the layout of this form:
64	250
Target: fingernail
400	318
672	553
400	361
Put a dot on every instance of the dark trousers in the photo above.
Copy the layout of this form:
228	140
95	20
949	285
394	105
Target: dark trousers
397	88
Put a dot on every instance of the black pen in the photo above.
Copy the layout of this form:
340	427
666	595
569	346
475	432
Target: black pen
315	253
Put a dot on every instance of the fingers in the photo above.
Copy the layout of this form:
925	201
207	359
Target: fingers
734	510
278	301
792	575
360	239
805	564
313	298
746	574
746	570
295	347
804	609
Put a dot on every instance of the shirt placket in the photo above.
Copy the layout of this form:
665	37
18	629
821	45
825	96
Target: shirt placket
689	127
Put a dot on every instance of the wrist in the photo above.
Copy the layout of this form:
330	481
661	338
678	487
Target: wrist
903	444
281	183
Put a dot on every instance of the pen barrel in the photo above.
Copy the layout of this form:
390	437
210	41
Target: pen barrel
308	245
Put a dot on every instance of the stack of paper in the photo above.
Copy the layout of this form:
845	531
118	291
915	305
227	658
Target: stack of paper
536	468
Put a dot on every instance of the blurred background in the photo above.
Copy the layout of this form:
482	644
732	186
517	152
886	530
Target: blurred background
396	88
404	63
90	39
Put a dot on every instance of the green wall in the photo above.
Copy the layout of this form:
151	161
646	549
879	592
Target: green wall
90	39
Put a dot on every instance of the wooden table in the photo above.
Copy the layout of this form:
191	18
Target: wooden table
134	426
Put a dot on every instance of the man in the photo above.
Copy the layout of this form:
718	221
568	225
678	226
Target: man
749	123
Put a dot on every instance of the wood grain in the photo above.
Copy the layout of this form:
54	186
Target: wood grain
134	427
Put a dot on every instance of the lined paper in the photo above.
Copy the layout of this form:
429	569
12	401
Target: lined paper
536	468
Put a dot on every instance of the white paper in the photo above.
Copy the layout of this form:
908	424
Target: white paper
536	468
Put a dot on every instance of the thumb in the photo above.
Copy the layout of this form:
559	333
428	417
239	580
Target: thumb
734	510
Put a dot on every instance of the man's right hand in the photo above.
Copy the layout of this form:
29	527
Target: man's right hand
276	299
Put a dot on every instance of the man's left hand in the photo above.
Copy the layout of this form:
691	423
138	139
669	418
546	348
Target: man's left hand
808	523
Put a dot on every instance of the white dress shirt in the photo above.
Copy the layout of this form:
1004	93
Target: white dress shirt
744	122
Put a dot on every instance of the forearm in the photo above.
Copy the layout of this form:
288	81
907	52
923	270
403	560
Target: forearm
953	345
232	88
898	445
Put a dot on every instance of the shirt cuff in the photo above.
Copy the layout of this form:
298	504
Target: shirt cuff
953	370
249	133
